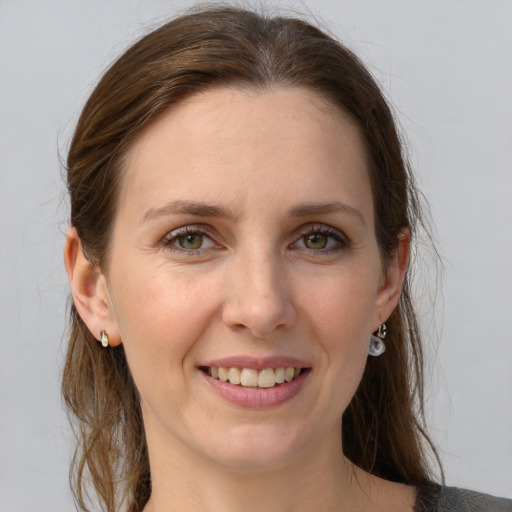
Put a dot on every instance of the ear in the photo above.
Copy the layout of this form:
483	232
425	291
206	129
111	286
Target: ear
393	279
89	290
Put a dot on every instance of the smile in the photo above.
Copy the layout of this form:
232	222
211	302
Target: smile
253	378
252	382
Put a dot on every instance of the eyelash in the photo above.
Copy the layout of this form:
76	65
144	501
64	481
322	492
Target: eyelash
341	241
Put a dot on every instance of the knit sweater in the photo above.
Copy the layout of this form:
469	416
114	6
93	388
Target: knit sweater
436	498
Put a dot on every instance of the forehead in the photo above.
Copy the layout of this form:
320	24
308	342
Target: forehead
219	141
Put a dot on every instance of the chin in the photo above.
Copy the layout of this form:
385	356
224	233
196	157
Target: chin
257	449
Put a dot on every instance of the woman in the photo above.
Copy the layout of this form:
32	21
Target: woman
241	216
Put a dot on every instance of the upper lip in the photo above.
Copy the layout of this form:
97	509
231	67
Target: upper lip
258	363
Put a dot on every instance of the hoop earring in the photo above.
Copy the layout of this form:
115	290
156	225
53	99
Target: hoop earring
104	339
377	346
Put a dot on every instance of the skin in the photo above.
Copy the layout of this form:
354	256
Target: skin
257	285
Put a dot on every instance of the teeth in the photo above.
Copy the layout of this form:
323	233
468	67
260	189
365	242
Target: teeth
223	374
251	378
266	378
280	375
234	375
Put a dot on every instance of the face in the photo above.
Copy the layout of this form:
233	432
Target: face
244	238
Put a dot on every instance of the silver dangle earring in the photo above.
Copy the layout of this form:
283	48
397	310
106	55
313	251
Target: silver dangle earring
104	339
377	346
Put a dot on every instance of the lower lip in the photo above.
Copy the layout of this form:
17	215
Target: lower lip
257	398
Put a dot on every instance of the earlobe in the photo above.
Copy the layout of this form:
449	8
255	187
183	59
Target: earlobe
89	291
391	287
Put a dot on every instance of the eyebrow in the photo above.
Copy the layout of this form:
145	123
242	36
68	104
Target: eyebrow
188	207
309	209
201	209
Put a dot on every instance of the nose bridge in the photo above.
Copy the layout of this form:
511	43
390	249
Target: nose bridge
258	298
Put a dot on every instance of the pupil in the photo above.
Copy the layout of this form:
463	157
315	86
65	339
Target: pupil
316	241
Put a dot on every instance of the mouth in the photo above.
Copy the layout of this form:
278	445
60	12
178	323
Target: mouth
254	378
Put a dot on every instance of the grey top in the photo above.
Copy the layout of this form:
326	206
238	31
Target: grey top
436	498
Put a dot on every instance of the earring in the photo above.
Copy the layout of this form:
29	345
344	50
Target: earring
104	339
382	331
377	346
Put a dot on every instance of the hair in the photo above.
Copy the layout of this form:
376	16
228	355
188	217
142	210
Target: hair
383	426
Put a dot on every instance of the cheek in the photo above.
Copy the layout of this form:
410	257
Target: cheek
342	305
340	314
160	318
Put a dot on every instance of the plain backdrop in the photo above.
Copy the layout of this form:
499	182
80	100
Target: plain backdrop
447	68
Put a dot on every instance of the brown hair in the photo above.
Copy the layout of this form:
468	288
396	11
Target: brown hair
383	427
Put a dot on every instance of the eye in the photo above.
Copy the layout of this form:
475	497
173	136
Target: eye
321	239
189	239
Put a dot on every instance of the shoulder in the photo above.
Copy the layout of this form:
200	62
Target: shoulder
455	499
452	499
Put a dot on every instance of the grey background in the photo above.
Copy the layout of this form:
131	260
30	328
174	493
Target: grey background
447	68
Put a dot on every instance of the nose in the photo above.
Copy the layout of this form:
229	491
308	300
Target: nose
258	296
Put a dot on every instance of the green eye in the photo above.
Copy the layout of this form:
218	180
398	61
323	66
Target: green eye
191	241
315	241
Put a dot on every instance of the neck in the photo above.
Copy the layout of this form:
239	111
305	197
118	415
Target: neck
320	480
